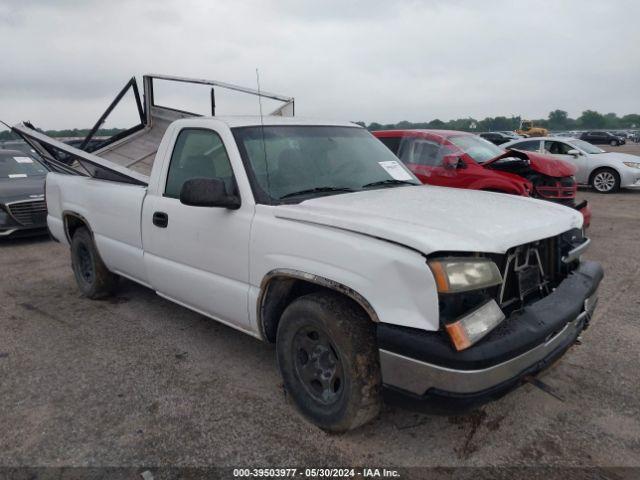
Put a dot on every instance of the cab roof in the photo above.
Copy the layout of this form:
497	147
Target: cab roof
233	121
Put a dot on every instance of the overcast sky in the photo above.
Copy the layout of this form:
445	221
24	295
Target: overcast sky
63	61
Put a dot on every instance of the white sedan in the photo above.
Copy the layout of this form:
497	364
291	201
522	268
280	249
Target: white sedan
604	171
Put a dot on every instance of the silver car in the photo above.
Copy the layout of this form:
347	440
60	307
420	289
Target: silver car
604	171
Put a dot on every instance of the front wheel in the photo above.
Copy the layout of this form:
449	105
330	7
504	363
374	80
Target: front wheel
614	143
605	180
92	276
328	359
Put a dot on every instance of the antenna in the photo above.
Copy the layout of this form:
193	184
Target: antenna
264	146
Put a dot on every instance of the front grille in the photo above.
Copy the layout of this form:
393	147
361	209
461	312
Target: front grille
29	213
556	188
533	270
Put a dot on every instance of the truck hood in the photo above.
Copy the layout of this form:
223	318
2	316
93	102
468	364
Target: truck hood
28	188
430	219
545	164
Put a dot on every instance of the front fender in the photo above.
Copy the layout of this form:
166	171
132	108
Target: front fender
390	281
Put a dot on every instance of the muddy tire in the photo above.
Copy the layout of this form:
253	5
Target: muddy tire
328	359
605	180
92	276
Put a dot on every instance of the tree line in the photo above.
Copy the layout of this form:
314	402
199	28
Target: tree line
557	120
72	132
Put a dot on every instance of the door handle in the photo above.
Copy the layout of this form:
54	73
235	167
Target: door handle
160	219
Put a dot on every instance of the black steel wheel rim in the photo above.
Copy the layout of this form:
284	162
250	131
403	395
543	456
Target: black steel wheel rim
85	264
318	365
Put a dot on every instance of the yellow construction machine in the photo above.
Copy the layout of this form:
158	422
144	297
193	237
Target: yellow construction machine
529	130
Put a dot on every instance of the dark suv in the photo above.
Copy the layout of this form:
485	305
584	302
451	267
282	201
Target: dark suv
603	138
497	138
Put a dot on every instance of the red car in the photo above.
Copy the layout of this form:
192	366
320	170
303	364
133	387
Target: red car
458	159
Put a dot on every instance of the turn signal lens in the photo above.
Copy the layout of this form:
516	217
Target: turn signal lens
454	275
472	327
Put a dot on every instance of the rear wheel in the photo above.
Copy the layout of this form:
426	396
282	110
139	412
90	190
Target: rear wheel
92	276
605	180
328	359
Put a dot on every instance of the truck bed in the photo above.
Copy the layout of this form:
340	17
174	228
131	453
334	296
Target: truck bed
138	151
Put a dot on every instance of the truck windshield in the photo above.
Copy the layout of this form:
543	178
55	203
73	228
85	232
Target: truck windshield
293	163
20	167
476	147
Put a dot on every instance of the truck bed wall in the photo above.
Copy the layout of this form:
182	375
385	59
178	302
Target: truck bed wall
113	212
138	150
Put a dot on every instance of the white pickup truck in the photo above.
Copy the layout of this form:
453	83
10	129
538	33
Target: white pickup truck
311	235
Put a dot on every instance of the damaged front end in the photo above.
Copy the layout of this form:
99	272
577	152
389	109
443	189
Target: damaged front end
495	337
551	179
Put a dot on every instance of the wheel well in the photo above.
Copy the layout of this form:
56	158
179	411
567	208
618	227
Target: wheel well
279	291
72	222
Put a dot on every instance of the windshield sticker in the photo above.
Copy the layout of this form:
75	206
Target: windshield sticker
23	159
17	175
396	171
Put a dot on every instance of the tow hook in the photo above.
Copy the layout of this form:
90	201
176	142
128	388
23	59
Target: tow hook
548	389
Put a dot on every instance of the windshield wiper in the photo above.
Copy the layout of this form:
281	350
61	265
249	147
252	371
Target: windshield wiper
317	190
390	181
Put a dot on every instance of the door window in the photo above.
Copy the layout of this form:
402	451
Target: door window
198	153
527	146
423	152
392	143
557	148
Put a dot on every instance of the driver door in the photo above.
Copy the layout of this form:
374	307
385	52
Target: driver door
198	256
424	157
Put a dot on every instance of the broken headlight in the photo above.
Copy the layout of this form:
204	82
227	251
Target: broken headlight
4	217
467	310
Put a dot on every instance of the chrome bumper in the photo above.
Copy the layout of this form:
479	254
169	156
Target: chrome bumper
417	377
576	252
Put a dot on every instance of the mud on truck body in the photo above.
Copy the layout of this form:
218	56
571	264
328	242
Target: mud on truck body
311	235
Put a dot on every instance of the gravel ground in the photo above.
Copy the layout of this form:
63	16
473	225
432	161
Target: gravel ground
137	380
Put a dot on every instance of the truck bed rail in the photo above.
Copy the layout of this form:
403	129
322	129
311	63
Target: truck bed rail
76	161
129	155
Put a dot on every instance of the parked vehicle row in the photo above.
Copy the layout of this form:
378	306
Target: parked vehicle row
606	172
463	160
597	137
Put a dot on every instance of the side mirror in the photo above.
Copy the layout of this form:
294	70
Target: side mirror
453	163
574	152
207	192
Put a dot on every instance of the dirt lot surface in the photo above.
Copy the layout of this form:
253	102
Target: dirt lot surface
137	380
